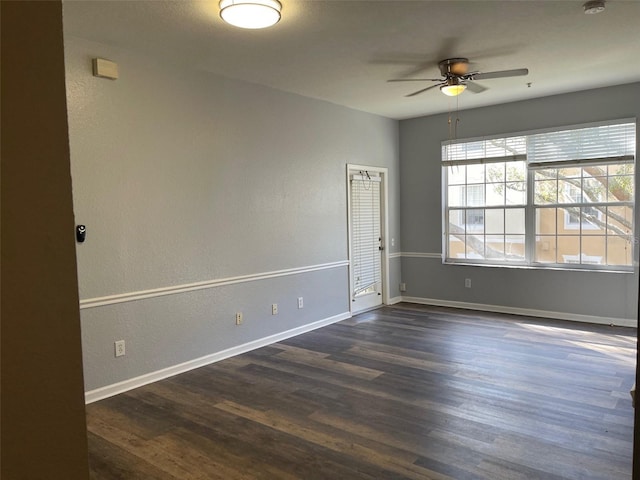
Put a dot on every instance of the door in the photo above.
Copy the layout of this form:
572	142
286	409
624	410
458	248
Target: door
366	240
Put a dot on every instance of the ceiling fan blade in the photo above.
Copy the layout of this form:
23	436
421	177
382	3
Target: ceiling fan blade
423	90
501	74
447	49
420	68
474	87
415	80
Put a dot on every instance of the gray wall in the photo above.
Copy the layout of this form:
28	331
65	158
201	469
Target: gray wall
43	417
184	177
565	293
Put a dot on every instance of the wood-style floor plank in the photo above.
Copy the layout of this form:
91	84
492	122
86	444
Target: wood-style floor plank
402	392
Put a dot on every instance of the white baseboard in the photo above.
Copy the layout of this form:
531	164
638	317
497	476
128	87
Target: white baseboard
394	300
575	317
126	385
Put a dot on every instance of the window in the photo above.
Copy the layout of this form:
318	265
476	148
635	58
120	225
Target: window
487	194
572	220
558	198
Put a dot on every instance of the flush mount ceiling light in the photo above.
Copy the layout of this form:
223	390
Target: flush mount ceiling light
594	6
250	13
453	88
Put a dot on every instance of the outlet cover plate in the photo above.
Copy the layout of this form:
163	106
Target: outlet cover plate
120	349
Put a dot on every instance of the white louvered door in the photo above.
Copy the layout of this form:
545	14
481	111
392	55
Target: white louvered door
366	240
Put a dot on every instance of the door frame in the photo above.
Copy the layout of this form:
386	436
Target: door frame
384	227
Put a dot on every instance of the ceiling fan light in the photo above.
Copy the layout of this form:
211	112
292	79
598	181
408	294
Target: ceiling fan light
453	90
250	13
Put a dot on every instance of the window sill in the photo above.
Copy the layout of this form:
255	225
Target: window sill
563	268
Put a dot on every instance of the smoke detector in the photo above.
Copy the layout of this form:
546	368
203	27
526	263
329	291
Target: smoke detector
593	7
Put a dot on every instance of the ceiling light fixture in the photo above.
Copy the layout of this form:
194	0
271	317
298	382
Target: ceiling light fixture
594	6
453	88
250	13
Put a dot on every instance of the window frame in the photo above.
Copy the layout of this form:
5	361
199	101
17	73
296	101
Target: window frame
531	208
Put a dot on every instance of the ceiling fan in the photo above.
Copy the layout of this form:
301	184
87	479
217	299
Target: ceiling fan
456	77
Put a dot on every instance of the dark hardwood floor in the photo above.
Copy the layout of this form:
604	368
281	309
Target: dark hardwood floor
403	392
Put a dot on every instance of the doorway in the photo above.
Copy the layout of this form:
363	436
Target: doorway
367	200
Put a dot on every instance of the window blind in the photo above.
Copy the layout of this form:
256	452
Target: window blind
609	142
485	150
365	231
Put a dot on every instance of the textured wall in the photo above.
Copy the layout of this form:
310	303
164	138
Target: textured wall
602	294
185	177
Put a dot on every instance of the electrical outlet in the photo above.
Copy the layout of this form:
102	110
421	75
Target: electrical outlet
300	302
239	318
274	309
120	348
403	287
467	283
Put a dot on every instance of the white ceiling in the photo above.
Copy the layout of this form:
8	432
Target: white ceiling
345	51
